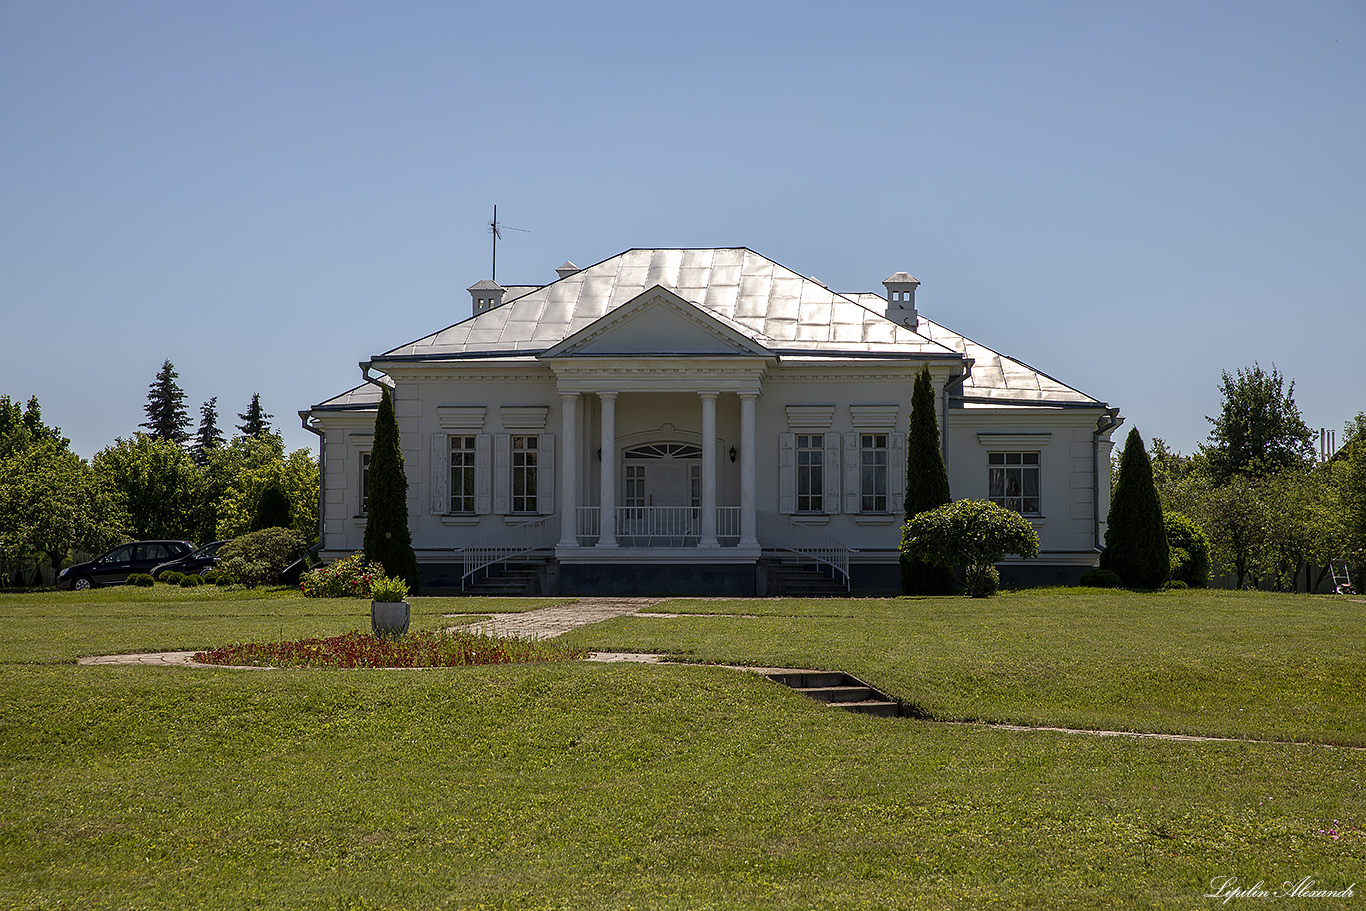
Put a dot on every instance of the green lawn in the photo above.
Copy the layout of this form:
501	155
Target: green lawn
678	786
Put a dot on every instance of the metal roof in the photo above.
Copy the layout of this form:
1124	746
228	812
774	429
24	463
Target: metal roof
775	306
363	397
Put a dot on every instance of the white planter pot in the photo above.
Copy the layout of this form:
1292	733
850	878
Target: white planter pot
389	619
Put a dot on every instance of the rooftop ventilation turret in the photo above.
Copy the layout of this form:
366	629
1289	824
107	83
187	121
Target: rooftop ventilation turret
487	294
567	269
901	299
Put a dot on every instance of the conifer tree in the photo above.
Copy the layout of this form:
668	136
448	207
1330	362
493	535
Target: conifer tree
1135	536
165	408
272	507
255	423
927	487
208	436
388	540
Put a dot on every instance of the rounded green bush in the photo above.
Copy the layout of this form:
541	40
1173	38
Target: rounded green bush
191	581
1174	585
1190	550
1102	578
142	580
981	580
171	577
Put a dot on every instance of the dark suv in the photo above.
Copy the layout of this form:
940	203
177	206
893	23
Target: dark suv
195	563
114	567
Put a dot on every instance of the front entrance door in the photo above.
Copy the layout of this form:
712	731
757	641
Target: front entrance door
662	494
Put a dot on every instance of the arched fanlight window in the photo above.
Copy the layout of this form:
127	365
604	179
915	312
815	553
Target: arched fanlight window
664	451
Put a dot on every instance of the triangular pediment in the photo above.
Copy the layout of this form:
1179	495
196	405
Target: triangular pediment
659	322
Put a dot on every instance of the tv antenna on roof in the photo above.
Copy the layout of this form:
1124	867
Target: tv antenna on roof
496	228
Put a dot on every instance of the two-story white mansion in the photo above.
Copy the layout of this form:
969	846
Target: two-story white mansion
687	421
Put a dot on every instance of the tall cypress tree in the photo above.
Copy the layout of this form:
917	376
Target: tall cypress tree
165	408
388	540
255	423
1135	536
927	487
208	436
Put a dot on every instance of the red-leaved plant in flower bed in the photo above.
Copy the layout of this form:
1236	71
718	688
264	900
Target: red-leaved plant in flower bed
429	648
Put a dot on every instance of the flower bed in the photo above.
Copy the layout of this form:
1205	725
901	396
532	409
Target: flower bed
429	648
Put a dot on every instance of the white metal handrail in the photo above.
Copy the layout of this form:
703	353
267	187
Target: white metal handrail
777	533
538	534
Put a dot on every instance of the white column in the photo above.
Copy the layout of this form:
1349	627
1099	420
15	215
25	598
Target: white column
569	469
748	538
708	538
608	535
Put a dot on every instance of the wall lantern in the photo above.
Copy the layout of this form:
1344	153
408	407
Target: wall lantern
732	453
599	454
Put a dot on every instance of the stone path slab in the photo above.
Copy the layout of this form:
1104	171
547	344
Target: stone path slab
549	622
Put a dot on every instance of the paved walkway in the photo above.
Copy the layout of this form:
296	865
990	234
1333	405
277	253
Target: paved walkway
549	622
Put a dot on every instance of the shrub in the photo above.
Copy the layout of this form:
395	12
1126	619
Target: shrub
1101	578
981	581
1190	550
927	487
191	582
347	578
1174	585
142	580
972	533
1135	539
272	507
389	589
223	579
258	557
171	577
388	539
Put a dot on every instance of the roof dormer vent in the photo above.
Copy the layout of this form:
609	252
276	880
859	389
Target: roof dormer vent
487	294
901	298
567	269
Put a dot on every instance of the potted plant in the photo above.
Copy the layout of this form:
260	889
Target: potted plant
389	613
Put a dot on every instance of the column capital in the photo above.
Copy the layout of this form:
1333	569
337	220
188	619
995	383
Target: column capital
750	394
569	395
709	396
606	394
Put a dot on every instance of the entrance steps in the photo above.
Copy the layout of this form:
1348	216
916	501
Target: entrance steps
840	690
510	582
791	580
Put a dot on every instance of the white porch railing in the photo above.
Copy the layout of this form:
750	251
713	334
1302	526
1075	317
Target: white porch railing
777	533
538	534
657	526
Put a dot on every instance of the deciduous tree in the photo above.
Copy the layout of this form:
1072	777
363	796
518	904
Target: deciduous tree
970	533
1259	430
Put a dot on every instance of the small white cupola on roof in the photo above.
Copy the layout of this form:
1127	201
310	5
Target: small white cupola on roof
487	294
901	298
567	269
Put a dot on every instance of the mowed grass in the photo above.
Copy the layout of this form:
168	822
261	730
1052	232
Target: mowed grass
1221	663
610	786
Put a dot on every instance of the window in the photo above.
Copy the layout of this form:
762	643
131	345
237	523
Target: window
873	472
364	483
462	474
810	483
1013	481
524	474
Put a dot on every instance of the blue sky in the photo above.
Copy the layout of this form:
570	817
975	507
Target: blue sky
1130	197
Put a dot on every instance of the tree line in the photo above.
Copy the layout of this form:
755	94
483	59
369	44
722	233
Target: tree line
163	481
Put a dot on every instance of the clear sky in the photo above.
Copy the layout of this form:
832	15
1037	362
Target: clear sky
1129	197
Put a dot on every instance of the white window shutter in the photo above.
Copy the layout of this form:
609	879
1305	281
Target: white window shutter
830	496
787	475
483	474
896	473
441	474
502	473
545	475
852	490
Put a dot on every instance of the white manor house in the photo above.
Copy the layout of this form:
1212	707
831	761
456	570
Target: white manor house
702	421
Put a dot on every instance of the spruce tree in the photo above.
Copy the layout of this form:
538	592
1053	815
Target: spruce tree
255	423
1135	536
388	541
927	487
208	436
165	408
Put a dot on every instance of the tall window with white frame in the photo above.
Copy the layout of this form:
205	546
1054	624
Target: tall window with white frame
873	472
810	483
524	474
365	483
1013	481
462	474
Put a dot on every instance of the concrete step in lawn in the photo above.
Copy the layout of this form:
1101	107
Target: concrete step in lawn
840	690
